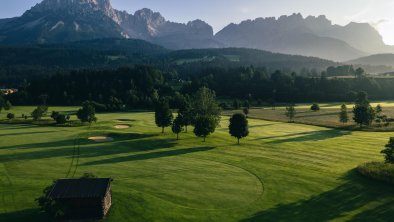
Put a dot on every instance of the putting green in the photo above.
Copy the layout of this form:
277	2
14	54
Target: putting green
206	184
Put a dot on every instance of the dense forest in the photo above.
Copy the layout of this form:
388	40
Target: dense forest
141	85
27	62
109	72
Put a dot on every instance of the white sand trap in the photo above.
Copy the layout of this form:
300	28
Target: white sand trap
101	138
121	126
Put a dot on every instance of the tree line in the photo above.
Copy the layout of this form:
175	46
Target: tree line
140	86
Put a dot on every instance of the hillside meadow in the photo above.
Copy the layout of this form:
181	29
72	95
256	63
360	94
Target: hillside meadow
281	172
327	116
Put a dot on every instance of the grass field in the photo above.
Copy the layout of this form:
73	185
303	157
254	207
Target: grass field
281	172
328	116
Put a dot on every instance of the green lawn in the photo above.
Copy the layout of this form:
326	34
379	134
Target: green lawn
328	116
282	172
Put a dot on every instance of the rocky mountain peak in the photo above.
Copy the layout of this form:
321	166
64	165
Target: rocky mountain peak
149	17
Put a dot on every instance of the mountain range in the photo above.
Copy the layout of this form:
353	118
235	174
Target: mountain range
59	21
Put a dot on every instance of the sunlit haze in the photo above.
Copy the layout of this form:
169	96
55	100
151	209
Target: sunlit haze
219	13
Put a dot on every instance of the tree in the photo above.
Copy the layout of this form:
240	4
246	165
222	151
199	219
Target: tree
363	113
378	110
246	104
163	115
290	112
205	105
7	105
61	119
380	118
177	126
204	126
315	107
10	116
186	111
87	114
54	115
343	117
39	112
246	111
359	72
2	102
389	151
238	127
236	104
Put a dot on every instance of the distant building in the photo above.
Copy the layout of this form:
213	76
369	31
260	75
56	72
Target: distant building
83	198
8	91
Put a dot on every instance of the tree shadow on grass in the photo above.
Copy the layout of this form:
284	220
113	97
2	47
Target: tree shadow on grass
316	114
83	140
26	133
152	155
21	216
354	194
263	125
17	127
124	144
308	136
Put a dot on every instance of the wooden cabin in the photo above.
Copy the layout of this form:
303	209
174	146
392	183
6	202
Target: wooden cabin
83	198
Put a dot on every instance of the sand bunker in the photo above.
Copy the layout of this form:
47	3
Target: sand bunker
121	126
101	138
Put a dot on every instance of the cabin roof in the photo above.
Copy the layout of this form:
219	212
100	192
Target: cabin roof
80	188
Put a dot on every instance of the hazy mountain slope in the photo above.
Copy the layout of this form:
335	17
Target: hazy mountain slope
288	34
361	36
375	60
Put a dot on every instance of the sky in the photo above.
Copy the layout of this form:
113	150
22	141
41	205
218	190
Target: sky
219	13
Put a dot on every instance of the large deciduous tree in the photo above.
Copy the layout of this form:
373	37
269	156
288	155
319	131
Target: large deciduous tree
290	113
163	115
389	151
343	116
186	111
87	114
177	125
363	113
204	126
238	127
39	112
206	112
204	104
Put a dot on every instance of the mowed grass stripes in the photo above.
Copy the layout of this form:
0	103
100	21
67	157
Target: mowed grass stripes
281	172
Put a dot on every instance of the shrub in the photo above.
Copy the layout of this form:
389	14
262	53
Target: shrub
378	171
87	113
61	119
54	115
246	111
50	206
315	107
389	151
224	106
238	127
10	116
39	112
